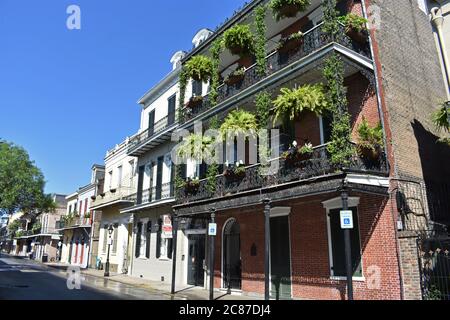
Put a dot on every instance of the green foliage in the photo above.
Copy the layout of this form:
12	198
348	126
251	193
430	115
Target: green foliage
199	68
260	40
239	39
239	72
353	21
216	49
433	293
330	18
21	182
370	137
278	7
14	226
263	102
238	123
36	227
441	118
306	149
213	169
184	77
194	146
291	103
340	147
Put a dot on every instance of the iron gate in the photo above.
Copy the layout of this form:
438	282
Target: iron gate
434	258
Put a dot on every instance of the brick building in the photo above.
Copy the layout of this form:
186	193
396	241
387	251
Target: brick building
280	235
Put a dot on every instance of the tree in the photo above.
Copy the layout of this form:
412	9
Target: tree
21	182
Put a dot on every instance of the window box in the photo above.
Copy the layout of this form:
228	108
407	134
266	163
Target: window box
290	43
235	77
191	186
234	173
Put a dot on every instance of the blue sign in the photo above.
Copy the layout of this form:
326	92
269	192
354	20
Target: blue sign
346	219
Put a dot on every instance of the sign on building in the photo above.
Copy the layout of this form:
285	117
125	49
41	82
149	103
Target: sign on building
346	219
167	227
212	229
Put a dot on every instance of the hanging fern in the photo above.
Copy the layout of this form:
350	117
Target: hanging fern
260	40
199	68
237	123
239	40
291	103
340	147
288	8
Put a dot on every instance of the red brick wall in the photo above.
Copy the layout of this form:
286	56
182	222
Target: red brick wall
307	128
309	249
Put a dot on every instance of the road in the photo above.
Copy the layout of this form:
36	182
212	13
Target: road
22	279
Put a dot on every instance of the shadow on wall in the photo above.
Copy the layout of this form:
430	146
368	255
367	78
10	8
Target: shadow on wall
434	157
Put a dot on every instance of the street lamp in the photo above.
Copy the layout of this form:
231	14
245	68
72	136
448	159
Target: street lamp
110	231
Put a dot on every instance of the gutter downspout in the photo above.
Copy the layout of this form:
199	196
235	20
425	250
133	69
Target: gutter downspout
380	112
438	20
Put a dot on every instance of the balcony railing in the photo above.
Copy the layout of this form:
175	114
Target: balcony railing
143	137
77	221
318	165
113	195
154	194
313	40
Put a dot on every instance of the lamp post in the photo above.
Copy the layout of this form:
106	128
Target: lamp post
110	231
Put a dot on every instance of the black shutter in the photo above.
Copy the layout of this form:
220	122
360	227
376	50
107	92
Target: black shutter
342	7
159	172
138	239
171	110
151	123
158	239
169	248
148	234
140	184
327	120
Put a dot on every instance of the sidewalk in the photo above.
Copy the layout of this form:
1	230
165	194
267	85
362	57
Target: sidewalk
182	292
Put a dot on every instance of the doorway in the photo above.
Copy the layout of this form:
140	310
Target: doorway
196	260
280	258
231	248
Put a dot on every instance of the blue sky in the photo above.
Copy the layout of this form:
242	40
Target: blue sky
67	96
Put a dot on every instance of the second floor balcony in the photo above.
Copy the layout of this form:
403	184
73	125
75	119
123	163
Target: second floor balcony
154	196
114	196
157	132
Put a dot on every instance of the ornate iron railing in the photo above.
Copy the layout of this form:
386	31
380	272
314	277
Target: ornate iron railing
146	135
313	40
319	164
119	193
156	193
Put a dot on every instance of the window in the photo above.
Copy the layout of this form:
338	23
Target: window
148	234
197	88
105	237
171	110
115	237
119	176
336	236
163	244
110	174
143	235
138	239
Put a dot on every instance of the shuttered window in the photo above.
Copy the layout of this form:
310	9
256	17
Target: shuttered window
148	235
115	237
105	237
138	239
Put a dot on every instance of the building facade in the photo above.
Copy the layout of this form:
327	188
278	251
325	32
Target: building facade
119	184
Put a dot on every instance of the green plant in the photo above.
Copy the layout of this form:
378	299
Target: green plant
191	185
340	147
288	8
290	41
184	77
291	103
193	146
330	18
306	149
433	293
263	102
370	138
441	118
36	227
353	21
237	123
199	68
235	76
239	39
260	40
19	233
213	168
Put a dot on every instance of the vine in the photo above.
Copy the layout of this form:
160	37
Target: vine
340	146
184	77
330	18
263	102
216	49
213	168
260	40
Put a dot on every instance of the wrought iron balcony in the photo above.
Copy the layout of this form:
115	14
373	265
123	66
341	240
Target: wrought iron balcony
313	40
76	222
154	194
119	194
150	136
319	164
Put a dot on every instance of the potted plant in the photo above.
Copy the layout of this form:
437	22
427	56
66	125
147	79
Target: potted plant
370	142
235	172
292	102
191	185
235	77
238	123
288	8
296	156
194	101
355	27
199	68
291	42
239	40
